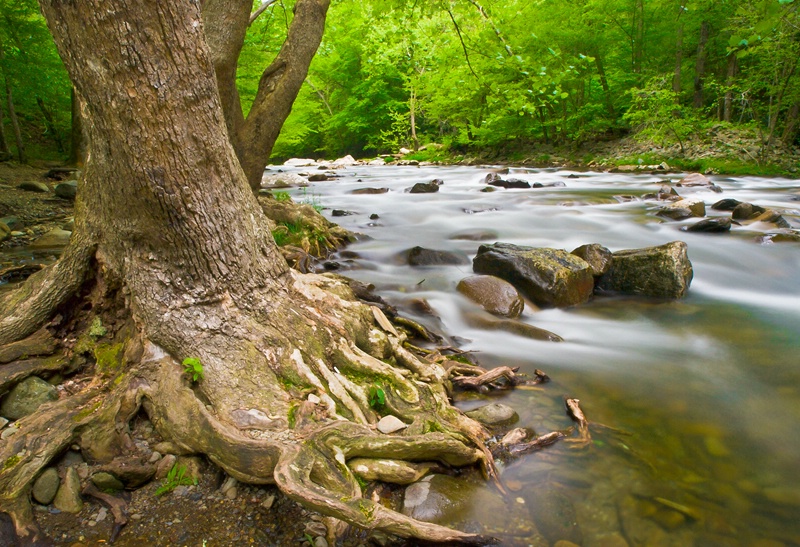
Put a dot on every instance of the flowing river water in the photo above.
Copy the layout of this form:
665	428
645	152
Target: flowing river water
695	403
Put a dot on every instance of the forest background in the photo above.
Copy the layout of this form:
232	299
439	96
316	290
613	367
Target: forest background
702	84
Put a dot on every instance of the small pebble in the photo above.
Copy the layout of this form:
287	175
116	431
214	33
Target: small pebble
268	501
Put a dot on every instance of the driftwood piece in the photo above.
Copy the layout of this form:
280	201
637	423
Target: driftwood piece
536	444
118	506
492	379
574	411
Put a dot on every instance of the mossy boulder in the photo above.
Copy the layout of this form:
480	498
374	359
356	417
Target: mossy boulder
597	256
26	397
661	272
549	277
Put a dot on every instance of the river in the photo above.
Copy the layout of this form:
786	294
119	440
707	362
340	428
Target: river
696	403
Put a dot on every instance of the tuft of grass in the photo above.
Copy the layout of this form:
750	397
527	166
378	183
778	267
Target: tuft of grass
176	477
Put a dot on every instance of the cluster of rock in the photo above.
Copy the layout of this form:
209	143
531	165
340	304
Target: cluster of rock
741	213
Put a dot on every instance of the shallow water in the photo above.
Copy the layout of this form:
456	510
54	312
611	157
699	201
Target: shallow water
700	397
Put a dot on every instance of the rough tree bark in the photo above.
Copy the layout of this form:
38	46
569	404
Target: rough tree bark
170	238
226	24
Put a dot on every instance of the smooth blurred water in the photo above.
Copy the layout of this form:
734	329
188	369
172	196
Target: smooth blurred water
700	396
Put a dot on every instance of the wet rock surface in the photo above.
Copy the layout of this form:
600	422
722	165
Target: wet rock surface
549	277
420	256
495	295
661	272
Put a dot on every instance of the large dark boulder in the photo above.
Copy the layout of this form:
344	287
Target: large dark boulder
549	277
67	190
662	272
710	226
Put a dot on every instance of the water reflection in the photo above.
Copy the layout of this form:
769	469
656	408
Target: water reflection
700	396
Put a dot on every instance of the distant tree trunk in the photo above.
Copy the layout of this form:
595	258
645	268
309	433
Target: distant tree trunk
50	124
638	40
700	66
412	107
787	74
598	63
790	130
727	110
79	140
676	80
225	23
5	153
22	157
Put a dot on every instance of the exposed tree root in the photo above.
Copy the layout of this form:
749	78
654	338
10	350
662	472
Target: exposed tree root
118	506
276	435
26	309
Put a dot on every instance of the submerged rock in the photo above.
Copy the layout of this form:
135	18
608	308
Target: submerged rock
662	272
26	397
488	322
554	515
495	295
549	277
420	256
369	191
494	414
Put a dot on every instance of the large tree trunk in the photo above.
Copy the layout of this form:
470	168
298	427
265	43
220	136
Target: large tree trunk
167	229
226	25
79	140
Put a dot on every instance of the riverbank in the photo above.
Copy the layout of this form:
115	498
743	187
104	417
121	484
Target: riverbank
722	151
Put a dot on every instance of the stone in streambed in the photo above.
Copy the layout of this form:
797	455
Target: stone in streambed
426	187
710	226
549	277
598	257
728	204
745	211
54	238
26	397
68	498
46	486
554	515
107	482
34	186
494	414
661	272
495	295
488	322
67	190
420	256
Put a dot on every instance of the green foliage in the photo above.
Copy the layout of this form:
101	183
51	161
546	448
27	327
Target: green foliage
657	114
281	196
377	397
193	368
96	329
175	477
